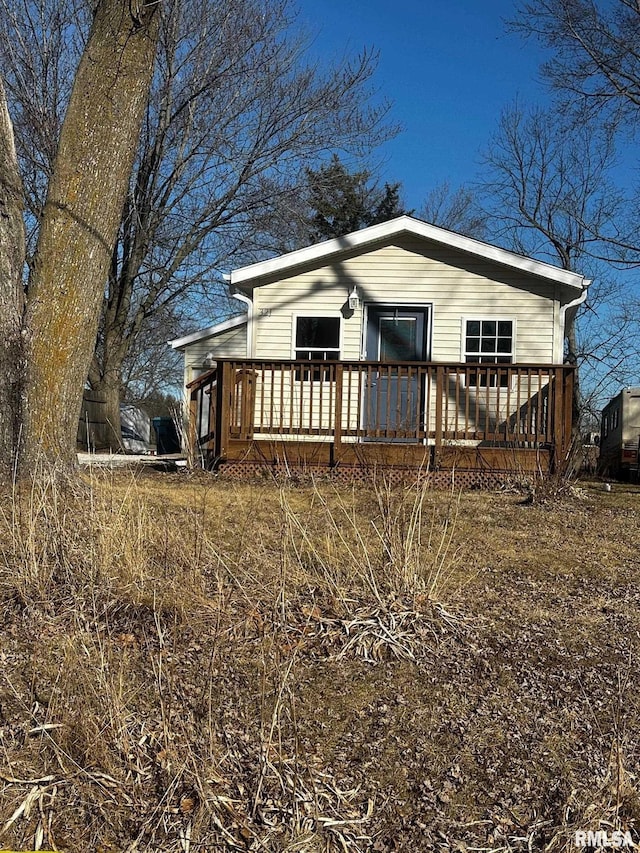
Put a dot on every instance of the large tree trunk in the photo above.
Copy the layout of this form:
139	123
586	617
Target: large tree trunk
80	221
106	375
12	256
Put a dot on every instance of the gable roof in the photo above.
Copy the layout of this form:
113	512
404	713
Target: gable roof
209	332
321	253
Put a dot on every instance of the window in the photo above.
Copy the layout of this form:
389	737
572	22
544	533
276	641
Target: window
398	338
317	339
614	419
488	342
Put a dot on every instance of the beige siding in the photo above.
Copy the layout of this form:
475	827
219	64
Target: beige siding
229	344
456	286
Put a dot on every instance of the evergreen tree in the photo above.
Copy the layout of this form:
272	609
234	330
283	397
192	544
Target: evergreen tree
340	201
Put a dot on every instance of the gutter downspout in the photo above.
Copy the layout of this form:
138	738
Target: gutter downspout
241	297
573	304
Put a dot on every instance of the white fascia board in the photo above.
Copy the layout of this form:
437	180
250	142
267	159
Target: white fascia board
234	322
322	252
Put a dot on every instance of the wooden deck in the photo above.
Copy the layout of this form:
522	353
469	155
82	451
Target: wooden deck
508	418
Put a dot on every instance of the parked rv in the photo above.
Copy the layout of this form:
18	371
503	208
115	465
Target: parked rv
620	436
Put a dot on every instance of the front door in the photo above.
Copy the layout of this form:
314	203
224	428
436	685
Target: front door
395	394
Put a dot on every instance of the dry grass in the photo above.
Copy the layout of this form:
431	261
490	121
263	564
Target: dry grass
190	665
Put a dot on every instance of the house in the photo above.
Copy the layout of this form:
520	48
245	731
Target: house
400	344
620	436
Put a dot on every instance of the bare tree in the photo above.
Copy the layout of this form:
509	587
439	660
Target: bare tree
40	48
235	113
12	253
151	367
78	229
549	186
549	195
596	53
457	210
595	74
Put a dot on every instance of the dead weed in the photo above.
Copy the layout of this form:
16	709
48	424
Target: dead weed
191	665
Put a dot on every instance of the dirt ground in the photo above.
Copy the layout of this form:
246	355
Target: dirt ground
193	665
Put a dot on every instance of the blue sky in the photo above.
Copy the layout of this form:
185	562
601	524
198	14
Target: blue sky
449	67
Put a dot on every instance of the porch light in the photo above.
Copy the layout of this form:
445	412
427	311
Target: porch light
354	299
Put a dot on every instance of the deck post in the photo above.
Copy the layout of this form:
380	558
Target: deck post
559	448
337	424
193	458
438	424
567	397
223	409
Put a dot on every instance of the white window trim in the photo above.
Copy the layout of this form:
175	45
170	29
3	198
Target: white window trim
493	318
334	315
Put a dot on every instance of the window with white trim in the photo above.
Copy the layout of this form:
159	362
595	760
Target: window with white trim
488	342
317	339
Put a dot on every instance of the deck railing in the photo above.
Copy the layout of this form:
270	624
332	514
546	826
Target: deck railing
519	405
